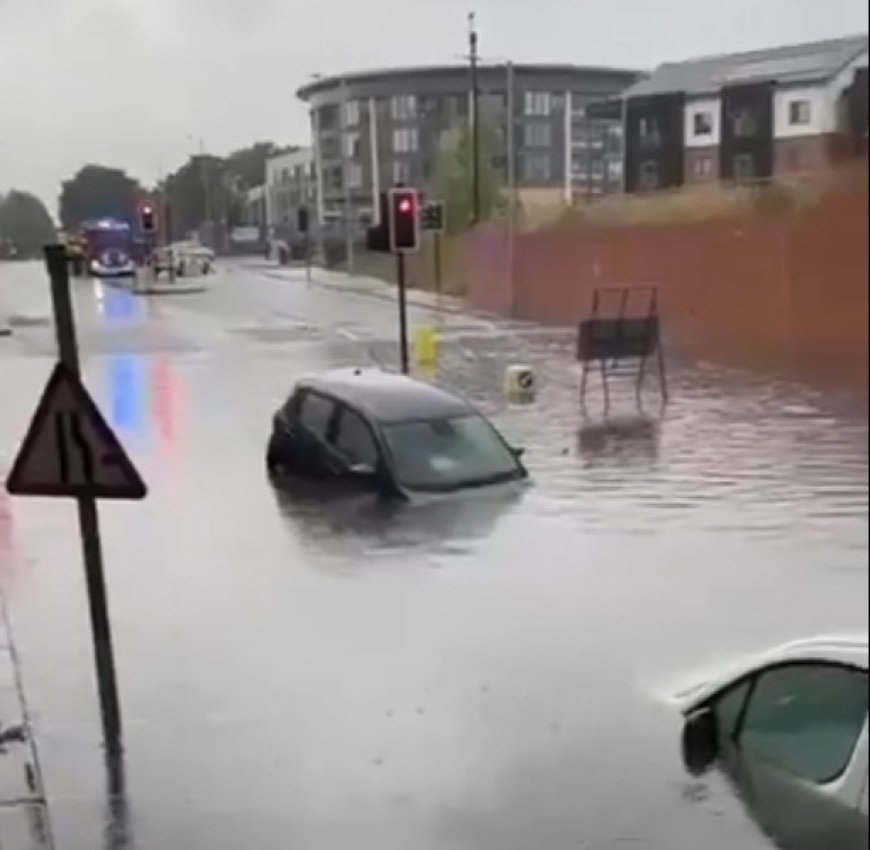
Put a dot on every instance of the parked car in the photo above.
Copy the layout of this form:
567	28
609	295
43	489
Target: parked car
387	433
789	730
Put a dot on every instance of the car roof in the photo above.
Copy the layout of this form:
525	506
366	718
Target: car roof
847	649
386	396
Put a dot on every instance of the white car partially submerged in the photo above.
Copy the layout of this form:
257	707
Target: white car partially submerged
789	729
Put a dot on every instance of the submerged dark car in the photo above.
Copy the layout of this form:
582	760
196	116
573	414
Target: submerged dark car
389	434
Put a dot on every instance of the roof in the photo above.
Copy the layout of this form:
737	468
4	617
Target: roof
324	83
388	397
849	650
814	61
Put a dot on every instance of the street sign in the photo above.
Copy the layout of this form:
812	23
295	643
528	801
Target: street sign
432	216
70	450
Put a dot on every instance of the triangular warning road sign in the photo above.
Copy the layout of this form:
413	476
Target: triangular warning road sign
70	450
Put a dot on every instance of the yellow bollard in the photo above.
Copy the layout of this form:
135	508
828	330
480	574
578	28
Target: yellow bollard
426	347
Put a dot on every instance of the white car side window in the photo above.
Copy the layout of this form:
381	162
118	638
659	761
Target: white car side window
806	719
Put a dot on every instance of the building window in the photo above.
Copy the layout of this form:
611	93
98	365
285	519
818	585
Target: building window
649	175
538	103
744	123
351	145
405	140
702	123
403	107
537	167
597	169
799	113
614	170
702	167
744	168
537	135
354	175
649	134
350	114
401	172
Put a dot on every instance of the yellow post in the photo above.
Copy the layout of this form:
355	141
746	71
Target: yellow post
425	347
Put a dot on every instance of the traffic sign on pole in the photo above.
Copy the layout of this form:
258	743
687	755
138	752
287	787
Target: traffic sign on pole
70	450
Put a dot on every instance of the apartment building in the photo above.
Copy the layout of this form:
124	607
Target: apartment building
375	129
747	116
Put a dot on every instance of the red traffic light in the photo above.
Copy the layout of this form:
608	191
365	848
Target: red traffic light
403	222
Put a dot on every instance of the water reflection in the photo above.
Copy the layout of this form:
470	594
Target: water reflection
118	835
165	394
624	440
127	389
339	522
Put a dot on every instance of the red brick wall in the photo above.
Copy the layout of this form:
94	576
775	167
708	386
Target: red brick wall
792	284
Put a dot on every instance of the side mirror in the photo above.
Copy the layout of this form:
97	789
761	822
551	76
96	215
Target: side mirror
700	741
518	451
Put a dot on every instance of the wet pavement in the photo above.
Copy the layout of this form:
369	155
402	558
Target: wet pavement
487	673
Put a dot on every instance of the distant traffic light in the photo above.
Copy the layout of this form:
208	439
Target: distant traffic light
432	216
147	218
404	220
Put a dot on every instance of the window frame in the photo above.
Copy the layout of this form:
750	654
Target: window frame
707	130
343	410
306	393
795	117
752	677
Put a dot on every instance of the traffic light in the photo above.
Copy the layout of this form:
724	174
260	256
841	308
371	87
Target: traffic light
147	218
302	219
403	220
432	217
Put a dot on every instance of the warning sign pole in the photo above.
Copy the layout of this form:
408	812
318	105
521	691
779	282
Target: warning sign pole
89	524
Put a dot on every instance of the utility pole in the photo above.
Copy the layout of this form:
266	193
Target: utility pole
474	117
345	180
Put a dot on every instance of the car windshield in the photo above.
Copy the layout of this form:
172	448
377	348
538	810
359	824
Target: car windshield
447	454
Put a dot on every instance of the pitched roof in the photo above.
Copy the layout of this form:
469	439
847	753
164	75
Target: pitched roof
794	63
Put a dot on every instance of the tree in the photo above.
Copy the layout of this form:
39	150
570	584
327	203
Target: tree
453	179
98	192
212	188
248	165
25	224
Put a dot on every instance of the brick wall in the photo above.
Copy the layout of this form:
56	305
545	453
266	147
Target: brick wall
790	284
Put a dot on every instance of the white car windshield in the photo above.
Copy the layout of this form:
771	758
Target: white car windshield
447	454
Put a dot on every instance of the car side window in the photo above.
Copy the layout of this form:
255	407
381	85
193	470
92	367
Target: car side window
805	719
315	413
354	439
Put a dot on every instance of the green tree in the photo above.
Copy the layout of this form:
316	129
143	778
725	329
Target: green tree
25	224
453	179
98	192
247	167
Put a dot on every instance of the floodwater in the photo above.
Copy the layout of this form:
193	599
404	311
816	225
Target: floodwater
485	673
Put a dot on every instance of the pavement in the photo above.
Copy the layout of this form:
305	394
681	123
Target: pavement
24	813
362	285
480	673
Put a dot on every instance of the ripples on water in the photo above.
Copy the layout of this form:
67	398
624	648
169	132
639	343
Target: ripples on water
735	453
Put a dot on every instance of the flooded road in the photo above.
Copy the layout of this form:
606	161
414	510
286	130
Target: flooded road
487	673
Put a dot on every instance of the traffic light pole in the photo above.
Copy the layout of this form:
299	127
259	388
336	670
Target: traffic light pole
403	311
437	259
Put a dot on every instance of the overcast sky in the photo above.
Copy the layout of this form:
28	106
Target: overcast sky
134	83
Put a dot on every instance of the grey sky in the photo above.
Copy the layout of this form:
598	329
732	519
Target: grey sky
133	83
